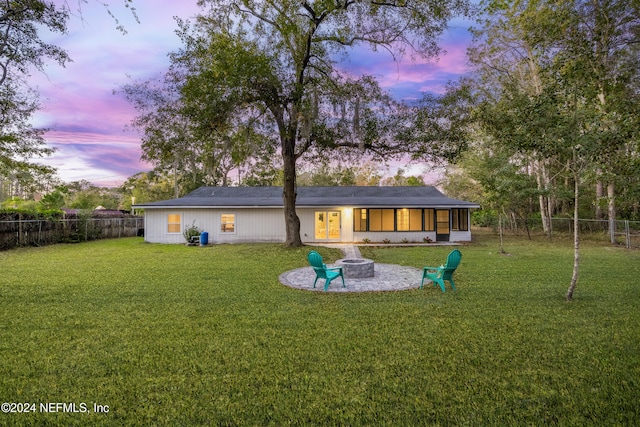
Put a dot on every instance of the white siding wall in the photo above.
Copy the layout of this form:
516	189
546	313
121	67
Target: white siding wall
155	230
251	225
307	224
267	225
347	225
460	236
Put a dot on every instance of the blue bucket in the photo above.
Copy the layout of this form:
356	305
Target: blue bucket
204	238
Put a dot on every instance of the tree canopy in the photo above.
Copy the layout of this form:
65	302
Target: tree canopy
21	50
258	69
557	84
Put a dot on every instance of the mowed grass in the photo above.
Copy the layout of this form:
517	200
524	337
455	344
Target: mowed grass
176	335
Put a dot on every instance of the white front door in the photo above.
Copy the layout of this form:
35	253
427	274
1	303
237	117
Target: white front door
327	225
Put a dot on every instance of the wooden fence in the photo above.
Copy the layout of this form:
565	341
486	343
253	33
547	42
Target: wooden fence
45	232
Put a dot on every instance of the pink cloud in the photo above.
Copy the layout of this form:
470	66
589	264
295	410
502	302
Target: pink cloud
97	157
87	120
407	78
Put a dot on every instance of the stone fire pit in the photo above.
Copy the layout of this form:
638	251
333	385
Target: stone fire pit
356	267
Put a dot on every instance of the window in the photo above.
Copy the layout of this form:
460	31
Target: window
388	223
228	223
409	220
402	218
173	223
381	220
460	219
429	215
415	219
389	219
375	220
321	225
359	220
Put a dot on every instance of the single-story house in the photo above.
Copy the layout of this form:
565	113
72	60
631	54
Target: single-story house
327	214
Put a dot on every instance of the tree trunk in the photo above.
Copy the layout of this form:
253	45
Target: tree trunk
543	185
176	190
599	196
289	193
551	206
611	193
540	170
500	226
576	240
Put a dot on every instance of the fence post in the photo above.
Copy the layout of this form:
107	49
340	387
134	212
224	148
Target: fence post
20	236
626	233
612	232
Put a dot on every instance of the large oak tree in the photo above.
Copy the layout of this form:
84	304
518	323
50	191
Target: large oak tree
277	62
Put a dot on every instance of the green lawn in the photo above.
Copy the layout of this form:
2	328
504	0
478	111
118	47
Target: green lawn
176	335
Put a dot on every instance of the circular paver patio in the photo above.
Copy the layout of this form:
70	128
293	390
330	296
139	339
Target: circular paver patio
387	277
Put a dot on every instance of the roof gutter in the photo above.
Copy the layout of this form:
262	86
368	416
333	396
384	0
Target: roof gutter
443	206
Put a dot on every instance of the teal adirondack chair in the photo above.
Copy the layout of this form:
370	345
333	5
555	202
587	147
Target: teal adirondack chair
444	272
322	271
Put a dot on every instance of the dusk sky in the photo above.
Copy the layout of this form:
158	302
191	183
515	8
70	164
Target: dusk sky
87	121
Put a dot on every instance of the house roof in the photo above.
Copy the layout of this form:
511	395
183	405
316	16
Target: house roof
248	197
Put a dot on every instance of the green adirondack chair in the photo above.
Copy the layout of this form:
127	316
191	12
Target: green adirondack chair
445	272
322	271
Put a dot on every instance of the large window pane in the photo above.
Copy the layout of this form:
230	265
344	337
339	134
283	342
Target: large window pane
388	223
173	223
464	219
321	225
334	224
415	219
429	224
375	219
402	219
460	219
359	220
228	223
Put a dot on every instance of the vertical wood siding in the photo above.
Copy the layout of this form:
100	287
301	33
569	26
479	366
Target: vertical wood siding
251	225
267	225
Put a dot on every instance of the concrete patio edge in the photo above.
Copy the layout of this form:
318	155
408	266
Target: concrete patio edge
388	277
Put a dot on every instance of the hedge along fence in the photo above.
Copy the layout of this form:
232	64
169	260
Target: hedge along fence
40	232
